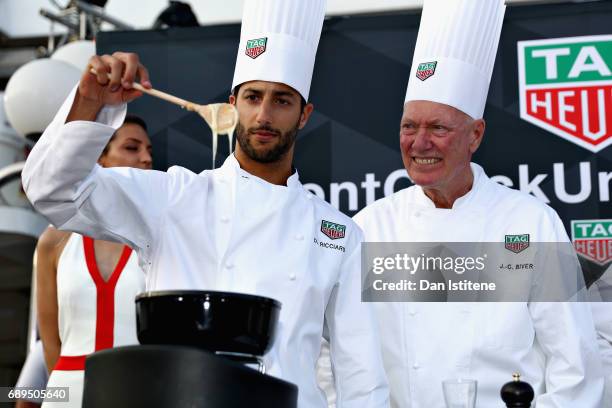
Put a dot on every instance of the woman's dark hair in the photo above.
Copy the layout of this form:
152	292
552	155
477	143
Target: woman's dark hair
136	120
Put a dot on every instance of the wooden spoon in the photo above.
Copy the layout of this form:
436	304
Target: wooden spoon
221	117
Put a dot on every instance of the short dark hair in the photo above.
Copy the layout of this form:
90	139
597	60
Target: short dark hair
302	100
129	118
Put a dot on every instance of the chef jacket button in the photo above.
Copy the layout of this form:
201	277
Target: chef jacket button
413	312
225	220
417	214
416	366
229	265
299	237
292	276
222	180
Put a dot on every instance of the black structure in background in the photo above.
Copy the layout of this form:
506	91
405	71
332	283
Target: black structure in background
177	14
350	147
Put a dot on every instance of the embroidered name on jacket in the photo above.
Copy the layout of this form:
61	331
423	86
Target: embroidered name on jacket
329	245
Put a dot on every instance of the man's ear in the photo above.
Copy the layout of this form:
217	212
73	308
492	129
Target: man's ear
232	99
477	134
306	112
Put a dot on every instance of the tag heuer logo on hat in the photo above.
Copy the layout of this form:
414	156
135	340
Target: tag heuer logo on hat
254	48
593	240
565	86
426	70
333	230
517	243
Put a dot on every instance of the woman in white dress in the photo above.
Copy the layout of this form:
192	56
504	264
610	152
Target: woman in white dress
86	287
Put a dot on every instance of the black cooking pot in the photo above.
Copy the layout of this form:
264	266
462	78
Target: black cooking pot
163	376
214	321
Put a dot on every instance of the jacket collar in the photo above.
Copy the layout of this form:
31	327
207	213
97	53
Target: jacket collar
231	169
468	200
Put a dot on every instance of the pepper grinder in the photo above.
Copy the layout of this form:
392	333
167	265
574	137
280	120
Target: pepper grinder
517	393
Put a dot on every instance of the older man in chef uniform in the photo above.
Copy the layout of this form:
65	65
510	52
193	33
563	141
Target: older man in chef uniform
249	226
552	345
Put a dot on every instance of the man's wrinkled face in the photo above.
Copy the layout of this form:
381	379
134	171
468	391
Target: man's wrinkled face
437	143
269	117
130	147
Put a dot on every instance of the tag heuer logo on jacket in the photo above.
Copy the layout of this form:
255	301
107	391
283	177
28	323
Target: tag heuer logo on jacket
332	230
517	243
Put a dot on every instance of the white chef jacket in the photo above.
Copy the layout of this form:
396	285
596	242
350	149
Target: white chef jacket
552	345
226	230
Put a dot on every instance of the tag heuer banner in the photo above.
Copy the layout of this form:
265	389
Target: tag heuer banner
593	240
548	114
566	88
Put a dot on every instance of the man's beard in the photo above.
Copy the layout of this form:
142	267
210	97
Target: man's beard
276	153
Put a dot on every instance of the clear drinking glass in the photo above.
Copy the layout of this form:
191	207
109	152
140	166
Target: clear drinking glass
460	393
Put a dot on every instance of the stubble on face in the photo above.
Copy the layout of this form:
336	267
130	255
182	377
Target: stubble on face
272	154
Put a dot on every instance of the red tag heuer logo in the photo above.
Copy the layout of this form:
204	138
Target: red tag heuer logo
566	88
333	230
426	70
593	240
517	243
254	48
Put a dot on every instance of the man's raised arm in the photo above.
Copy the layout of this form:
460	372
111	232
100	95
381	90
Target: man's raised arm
61	177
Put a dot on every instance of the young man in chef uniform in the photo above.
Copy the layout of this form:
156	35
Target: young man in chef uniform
552	345
249	226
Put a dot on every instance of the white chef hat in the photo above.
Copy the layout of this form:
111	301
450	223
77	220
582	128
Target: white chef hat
278	42
455	53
